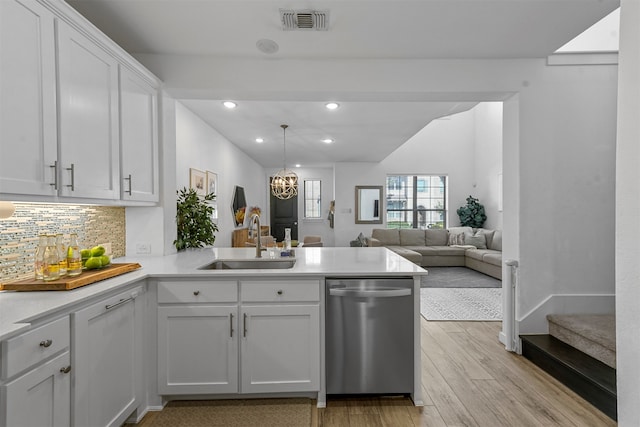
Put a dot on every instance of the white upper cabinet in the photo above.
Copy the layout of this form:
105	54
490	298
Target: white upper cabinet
139	137
28	140
70	101
88	117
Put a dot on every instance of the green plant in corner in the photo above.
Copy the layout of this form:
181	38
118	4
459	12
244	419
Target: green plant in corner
194	220
472	215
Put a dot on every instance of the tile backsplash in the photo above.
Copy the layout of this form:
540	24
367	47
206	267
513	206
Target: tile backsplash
19	233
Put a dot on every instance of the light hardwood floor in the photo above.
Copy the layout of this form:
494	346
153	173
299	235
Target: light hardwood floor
468	379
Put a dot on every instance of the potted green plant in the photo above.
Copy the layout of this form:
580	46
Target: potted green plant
472	214
194	220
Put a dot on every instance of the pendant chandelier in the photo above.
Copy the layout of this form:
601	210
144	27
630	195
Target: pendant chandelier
284	185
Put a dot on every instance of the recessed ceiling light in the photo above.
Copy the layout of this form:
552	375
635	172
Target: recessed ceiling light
298	165
230	104
259	140
332	105
327	141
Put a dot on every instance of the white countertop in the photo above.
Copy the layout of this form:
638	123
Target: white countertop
19	309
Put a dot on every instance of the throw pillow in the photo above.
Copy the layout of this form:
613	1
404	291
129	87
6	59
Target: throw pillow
362	240
456	239
478	240
496	242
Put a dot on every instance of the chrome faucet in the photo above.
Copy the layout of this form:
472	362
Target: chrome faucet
255	221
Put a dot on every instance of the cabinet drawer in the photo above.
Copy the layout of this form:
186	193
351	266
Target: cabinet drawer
197	291
30	348
280	291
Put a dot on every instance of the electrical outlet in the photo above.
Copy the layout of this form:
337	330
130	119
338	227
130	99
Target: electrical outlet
143	248
107	248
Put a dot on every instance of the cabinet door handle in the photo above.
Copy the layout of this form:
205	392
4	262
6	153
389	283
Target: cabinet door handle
231	325
54	184
280	292
128	179
65	369
73	183
122	301
196	293
46	343
244	325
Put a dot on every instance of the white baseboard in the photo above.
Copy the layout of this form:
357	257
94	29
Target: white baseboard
535	321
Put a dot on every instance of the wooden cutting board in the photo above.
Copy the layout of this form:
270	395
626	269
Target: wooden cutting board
67	283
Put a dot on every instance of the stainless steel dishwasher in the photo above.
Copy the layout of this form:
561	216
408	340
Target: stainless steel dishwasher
369	336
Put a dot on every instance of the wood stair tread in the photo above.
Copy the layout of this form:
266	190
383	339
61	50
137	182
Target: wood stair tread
590	378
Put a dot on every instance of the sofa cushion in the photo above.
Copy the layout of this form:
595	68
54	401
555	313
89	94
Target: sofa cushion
412	237
387	236
437	237
477	253
496	241
478	240
438	250
404	252
494	258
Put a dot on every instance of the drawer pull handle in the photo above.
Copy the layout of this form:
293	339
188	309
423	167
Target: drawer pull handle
46	343
128	179
65	370
244	325
54	184
196	293
280	292
122	301
231	325
73	177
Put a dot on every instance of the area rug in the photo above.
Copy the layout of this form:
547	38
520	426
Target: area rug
457	277
236	413
482	304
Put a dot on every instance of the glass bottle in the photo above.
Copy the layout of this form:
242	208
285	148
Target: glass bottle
74	257
51	269
38	264
287	239
62	254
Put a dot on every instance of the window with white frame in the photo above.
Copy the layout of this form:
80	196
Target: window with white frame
312	198
416	201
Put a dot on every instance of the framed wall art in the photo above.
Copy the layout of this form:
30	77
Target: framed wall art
198	181
212	183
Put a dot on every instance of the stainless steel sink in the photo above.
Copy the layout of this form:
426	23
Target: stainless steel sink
249	264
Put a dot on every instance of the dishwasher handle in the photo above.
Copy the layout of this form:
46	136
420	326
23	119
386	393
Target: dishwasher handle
373	293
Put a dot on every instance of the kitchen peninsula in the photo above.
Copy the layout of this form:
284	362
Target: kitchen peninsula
171	330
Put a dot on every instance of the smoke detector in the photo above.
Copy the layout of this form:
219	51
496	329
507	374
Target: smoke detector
297	20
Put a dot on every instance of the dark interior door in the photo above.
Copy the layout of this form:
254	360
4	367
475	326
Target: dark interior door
284	214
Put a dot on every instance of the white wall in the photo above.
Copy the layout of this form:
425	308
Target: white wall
488	159
202	147
627	225
566	163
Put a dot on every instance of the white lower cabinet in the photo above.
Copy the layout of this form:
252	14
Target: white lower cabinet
107	359
198	349
280	348
36	377
41	397
267	340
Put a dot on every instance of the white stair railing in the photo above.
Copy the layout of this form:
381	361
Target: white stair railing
511	342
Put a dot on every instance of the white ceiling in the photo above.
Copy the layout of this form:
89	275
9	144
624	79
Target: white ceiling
359	29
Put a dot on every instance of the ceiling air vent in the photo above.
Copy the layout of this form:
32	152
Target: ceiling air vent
293	20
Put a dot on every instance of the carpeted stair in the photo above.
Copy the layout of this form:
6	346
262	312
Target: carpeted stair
580	352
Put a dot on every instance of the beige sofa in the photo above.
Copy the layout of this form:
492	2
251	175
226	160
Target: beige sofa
481	251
